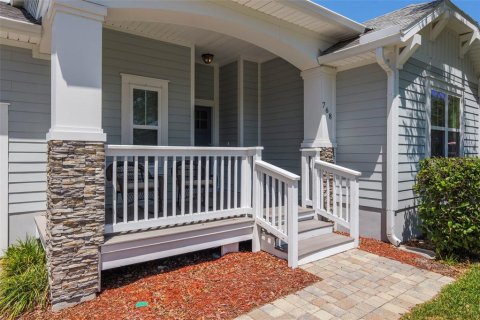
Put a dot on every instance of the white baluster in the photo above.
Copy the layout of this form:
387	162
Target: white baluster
155	188
235	181
125	190
182	207
190	199
207	182
114	190
199	185
165	187
229	183
215	171
267	198
222	181
135	188
145	188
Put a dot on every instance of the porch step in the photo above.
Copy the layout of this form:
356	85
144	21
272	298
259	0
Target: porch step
323	246
125	249
312	228
305	213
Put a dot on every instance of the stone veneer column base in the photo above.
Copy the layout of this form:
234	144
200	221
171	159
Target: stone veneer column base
75	220
327	154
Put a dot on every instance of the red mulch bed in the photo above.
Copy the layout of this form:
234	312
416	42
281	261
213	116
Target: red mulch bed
388	250
194	286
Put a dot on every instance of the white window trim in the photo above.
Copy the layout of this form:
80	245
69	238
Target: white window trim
455	93
129	82
4	177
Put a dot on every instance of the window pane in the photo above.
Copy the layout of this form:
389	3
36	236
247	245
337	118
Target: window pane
453	144
138	106
437	143
438	109
145	137
152	108
453	112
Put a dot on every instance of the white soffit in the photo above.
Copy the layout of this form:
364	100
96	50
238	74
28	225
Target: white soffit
308	15
225	48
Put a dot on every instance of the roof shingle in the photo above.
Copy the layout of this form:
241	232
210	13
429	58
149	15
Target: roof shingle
402	17
14	13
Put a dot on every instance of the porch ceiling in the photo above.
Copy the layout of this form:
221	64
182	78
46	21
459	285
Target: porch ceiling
225	48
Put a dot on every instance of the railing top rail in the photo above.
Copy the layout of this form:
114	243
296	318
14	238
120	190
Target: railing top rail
274	170
135	150
338	169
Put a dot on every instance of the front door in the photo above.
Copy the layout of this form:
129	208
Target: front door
203	126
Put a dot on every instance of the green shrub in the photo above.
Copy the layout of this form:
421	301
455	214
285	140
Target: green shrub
449	204
23	278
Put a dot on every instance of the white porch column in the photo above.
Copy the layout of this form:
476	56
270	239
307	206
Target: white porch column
76	154
319	87
76	71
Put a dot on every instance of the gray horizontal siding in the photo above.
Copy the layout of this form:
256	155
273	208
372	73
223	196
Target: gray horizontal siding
438	61
228	105
250	103
126	53
281	114
25	84
413	121
361	131
204	86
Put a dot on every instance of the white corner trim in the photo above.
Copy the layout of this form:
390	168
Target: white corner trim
192	96
240	102
3	177
130	81
216	107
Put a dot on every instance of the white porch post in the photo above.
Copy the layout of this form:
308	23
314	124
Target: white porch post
77	71
76	154
319	89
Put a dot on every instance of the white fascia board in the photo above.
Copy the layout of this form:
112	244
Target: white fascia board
34	31
359	49
315	10
418	25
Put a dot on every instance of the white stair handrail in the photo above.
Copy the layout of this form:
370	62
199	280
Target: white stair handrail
336	195
275	206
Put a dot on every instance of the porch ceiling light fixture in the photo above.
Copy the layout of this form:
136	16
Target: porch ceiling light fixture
207	58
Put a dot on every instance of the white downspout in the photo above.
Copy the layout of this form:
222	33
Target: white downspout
392	141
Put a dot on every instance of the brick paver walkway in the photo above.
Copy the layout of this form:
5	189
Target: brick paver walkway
356	285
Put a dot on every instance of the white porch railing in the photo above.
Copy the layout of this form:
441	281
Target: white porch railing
336	195
152	186
276	205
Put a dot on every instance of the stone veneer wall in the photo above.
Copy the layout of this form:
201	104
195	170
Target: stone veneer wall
327	154
75	220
